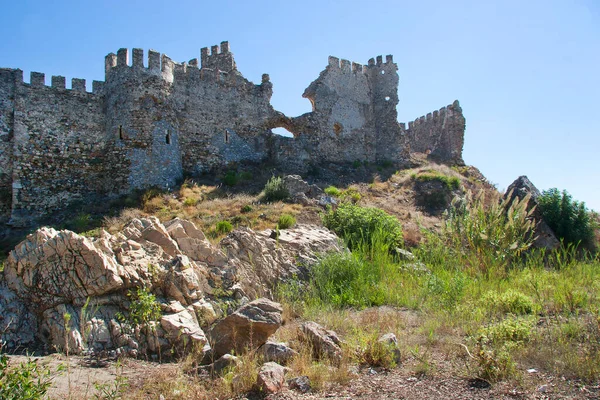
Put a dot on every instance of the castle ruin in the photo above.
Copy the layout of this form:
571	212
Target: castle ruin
151	125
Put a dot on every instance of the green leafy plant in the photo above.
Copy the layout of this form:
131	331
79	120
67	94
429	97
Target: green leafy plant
357	224
333	191
223	227
351	195
493	235
230	178
246	208
144	308
286	221
275	189
27	381
569	219
451	182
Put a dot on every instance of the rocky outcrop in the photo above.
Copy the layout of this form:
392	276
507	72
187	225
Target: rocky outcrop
247	328
61	289
260	260
521	188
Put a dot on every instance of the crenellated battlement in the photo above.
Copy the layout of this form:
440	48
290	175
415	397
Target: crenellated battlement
216	66
219	57
435	116
345	66
153	119
38	80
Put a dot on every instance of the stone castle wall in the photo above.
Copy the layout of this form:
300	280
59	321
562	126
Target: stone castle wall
150	123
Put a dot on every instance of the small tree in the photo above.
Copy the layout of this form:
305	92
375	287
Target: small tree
569	219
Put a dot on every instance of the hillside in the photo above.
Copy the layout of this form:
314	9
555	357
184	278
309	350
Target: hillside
483	316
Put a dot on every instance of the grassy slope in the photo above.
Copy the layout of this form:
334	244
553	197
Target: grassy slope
450	317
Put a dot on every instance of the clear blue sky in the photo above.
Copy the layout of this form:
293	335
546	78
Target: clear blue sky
526	72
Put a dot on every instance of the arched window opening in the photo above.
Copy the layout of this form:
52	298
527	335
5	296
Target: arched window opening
281	131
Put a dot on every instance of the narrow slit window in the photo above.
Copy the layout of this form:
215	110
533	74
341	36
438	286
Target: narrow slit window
121	135
168	138
226	136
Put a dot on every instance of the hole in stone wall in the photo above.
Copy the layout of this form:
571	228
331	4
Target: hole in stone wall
121	135
168	138
387	98
226	136
382	72
337	128
282	132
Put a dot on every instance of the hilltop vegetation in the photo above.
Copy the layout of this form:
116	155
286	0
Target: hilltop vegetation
473	298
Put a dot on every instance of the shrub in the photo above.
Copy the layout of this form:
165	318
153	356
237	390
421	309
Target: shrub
190	202
511	301
230	178
246	208
28	381
223	227
495	235
568	218
144	308
357	225
451	182
333	191
351	195
345	279
513	329
286	221
275	189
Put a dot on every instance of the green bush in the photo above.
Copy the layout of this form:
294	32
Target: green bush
144	307
230	178
494	235
568	218
286	221
357	225
346	279
451	182
246	209
509	302
515	330
333	191
351	195
275	189
28	381
223	227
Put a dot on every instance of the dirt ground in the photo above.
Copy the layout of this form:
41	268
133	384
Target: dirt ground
85	378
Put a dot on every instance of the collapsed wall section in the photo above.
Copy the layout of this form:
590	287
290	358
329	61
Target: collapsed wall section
440	134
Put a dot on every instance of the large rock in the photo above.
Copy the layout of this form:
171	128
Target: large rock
325	343
296	186
271	378
247	328
278	352
521	188
259	261
183	328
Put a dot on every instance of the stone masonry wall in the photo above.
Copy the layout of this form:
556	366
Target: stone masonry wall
439	134
7	94
60	152
153	121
